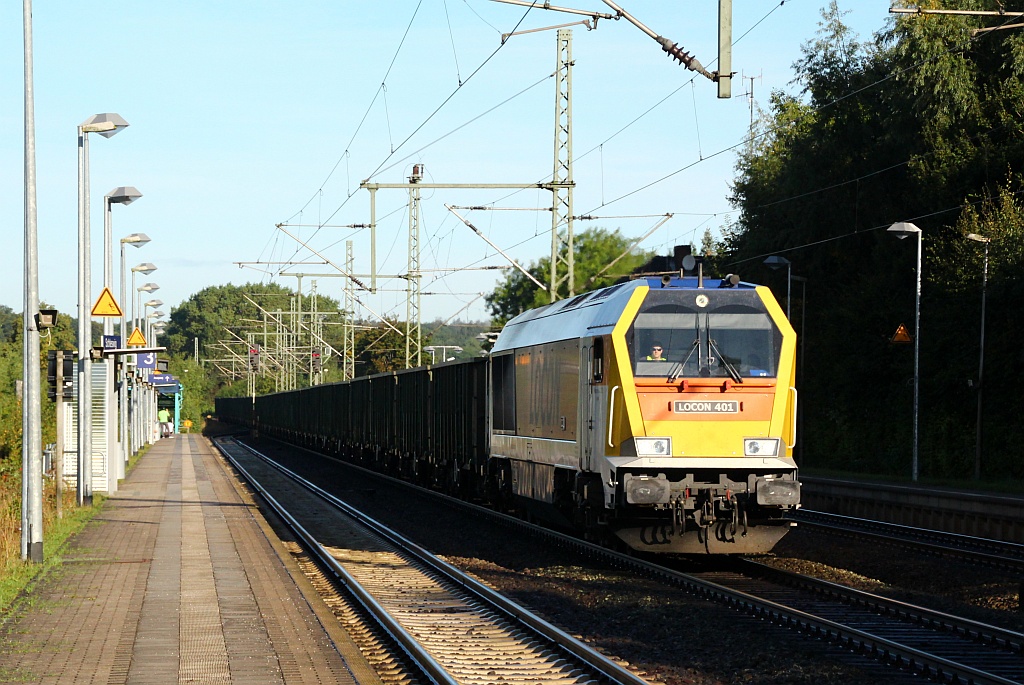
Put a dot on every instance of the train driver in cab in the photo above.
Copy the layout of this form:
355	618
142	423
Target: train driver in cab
656	353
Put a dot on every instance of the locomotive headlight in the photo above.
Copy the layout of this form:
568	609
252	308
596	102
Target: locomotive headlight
653	447
760	447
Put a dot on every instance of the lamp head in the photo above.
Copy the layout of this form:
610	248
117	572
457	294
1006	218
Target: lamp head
46	318
776	262
154	303
902	229
144	268
978	238
106	124
122	195
136	239
148	287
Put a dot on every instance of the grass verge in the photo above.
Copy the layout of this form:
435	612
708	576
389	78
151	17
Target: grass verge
17	576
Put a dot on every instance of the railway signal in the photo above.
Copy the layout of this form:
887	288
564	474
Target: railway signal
315	360
60	373
254	358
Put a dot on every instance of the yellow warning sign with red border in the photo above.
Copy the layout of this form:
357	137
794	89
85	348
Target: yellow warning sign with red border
136	339
106	305
901	335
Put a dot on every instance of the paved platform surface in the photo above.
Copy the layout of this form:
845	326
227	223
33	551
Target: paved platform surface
178	580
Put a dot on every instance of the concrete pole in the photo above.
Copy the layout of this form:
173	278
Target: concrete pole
84	327
32	455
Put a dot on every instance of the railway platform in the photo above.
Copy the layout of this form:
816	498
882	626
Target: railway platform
178	579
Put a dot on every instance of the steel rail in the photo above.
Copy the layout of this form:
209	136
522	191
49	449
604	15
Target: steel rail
592	658
986	550
412	648
964	627
876	647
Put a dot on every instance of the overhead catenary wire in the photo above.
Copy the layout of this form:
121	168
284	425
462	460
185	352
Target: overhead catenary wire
770	130
603	203
822	107
394	148
455	54
369	108
690	81
851	234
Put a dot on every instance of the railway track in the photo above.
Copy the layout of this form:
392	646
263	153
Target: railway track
940	646
450	627
912	639
996	553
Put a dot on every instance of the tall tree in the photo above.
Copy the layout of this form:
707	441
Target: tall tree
380	348
915	126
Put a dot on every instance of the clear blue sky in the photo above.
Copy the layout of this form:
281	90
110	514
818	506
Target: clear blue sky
245	115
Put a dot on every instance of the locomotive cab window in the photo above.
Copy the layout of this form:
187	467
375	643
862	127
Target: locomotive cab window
704	333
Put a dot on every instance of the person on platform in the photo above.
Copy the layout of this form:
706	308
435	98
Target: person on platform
164	417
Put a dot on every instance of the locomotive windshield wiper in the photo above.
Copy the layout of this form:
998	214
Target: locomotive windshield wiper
713	346
725	361
677	368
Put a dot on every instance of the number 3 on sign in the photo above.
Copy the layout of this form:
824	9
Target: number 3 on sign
146	361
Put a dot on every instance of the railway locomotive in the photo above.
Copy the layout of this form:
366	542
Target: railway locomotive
660	411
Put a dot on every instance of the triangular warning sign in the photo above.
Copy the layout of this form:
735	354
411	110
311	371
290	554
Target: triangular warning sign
901	335
136	339
106	305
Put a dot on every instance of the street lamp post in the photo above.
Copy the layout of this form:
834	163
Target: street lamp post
136	240
106	125
153	315
145	268
981	354
147	413
154	304
444	351
150	411
901	230
136	404
31	407
123	195
777	262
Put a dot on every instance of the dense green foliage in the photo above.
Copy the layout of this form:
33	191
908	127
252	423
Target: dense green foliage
922	125
13	574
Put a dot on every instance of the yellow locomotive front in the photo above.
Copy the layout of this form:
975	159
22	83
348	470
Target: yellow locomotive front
701	419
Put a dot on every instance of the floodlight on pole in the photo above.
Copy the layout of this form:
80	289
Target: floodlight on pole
981	354
901	230
106	125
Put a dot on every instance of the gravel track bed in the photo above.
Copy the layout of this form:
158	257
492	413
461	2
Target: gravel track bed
665	634
956	587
